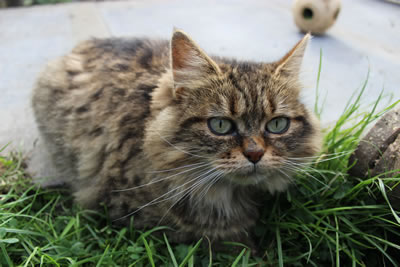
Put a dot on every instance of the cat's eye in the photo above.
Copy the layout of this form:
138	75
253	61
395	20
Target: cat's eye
221	126
278	125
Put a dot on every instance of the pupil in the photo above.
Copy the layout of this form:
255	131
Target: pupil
220	124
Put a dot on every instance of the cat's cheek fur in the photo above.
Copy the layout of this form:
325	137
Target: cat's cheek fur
156	147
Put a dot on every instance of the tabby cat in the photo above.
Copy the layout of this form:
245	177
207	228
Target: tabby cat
160	131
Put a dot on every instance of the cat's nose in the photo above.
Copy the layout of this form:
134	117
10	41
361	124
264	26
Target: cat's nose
254	156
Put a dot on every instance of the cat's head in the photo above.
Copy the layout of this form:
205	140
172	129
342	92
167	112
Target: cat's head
226	120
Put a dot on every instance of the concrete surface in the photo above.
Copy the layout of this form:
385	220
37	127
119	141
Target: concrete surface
366	36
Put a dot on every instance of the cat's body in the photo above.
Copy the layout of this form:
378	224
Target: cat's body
140	127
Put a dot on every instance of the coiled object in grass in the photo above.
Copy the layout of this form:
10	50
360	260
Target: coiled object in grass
378	153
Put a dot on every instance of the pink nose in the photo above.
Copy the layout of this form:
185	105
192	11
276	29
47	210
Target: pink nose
254	155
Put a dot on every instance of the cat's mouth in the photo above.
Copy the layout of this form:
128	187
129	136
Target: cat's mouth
250	174
271	179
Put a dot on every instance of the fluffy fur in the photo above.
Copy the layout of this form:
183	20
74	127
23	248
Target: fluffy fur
126	123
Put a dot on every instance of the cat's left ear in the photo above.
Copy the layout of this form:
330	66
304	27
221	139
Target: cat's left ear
190	65
290	64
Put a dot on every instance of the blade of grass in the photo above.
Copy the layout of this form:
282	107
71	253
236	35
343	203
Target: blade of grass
383	191
68	227
238	257
148	251
190	253
158	228
337	242
31	256
5	254
171	254
279	247
245	259
99	263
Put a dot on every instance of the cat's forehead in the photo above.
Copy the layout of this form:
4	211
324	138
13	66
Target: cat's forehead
249	90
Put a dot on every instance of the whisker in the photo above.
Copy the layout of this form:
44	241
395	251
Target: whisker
177	168
303	166
290	178
335	155
213	181
297	169
189	191
159	180
207	186
201	183
179	149
306	167
157	200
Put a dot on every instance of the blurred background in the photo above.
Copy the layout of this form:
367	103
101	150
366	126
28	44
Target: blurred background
365	37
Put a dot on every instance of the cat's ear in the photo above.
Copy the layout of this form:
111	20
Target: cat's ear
290	64
190	65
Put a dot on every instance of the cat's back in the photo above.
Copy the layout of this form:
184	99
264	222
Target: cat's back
97	98
98	64
100	75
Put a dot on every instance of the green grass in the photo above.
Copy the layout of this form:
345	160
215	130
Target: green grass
328	219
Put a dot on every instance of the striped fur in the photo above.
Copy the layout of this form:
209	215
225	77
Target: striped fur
125	121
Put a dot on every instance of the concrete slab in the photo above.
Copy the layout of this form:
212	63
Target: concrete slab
366	35
26	45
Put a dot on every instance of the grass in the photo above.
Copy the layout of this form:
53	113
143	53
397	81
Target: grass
328	219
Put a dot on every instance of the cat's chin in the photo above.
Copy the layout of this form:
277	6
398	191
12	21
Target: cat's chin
272	181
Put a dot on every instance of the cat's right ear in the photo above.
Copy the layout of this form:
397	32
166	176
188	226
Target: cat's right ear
190	65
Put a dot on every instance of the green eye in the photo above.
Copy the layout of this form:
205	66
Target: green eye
221	126
278	125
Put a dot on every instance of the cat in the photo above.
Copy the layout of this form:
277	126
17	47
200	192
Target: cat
160	131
